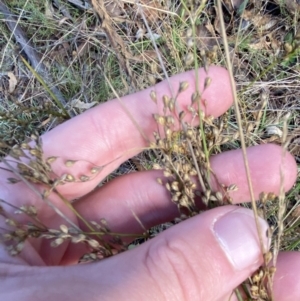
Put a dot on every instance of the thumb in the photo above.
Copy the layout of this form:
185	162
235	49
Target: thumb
203	258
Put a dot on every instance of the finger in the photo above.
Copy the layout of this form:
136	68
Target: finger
140	200
217	249
270	167
139	194
286	280
107	134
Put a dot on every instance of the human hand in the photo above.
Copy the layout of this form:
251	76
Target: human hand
203	258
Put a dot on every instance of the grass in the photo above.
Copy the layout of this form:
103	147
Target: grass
84	65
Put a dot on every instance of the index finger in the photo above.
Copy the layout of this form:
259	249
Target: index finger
107	134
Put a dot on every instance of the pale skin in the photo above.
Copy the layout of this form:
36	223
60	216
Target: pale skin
190	261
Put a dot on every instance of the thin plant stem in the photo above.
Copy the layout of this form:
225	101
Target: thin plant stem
240	128
40	79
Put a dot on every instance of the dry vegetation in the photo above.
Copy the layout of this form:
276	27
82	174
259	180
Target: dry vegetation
86	53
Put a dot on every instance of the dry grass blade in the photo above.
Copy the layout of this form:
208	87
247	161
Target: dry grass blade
140	7
115	40
81	4
34	58
239	122
126	110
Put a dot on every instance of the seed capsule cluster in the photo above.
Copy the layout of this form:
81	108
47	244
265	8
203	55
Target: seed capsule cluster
28	161
185	152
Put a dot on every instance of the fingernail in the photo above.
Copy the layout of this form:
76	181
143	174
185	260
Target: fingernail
237	234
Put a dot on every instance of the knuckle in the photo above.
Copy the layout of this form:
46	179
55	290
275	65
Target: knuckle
170	259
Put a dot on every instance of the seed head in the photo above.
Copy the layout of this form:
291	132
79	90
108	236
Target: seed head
13	180
78	238
189	133
159	119
232	187
64	229
181	115
156	166
195	97
84	178
17	152
268	257
168	186
170	120
46	193
175	185
172	104
11	222
52	159
93	243
189	59
25	146
95	169
183	86
70	178
153	96
219	196
70	163
34	137
166	101
58	241
207	82
35	152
